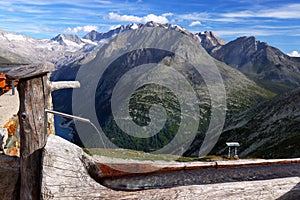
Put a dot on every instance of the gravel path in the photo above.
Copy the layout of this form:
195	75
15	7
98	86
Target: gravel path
9	106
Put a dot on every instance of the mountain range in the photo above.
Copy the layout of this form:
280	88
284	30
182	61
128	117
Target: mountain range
252	72
266	65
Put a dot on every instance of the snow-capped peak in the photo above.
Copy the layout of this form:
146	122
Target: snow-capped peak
63	39
14	36
175	26
134	26
211	37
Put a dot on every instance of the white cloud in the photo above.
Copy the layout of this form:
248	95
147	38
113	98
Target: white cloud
155	18
131	18
124	18
294	54
90	28
195	23
87	28
167	14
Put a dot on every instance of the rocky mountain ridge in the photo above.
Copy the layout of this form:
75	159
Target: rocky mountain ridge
266	65
63	49
66	39
210	41
96	36
58	50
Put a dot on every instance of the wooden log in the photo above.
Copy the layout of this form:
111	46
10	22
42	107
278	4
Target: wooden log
34	91
64	85
112	175
33	94
31	70
65	176
57	86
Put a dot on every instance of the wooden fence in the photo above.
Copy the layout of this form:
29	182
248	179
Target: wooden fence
34	89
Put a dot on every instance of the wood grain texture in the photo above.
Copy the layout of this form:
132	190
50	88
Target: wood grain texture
33	94
32	70
64	84
65	176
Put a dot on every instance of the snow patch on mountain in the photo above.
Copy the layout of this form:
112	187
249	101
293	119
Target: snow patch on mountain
40	50
66	48
134	26
89	42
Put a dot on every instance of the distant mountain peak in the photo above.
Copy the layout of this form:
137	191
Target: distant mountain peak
96	36
260	62
4	35
212	35
65	39
210	40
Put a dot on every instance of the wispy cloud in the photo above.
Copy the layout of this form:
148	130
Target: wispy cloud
54	2
205	16
132	18
290	11
193	16
30	10
243	32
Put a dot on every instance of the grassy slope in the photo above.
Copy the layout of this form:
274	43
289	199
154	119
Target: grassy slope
142	156
269	130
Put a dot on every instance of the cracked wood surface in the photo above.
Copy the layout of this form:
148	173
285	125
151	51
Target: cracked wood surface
65	176
31	70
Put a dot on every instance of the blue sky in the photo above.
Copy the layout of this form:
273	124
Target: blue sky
272	21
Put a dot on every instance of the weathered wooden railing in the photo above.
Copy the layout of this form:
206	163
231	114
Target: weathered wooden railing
35	96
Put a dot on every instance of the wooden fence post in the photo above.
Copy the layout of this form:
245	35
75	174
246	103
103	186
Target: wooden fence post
34	89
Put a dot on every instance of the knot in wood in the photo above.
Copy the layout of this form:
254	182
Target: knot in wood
23	116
